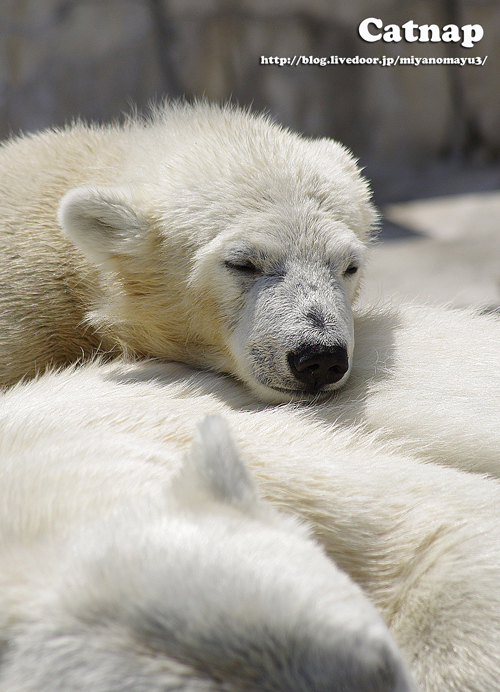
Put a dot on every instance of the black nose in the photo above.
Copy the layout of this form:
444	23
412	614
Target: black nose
318	366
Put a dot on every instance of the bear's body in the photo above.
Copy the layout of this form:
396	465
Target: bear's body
427	380
115	577
422	540
205	235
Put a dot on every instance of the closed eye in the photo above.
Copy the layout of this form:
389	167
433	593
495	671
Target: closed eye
351	269
244	267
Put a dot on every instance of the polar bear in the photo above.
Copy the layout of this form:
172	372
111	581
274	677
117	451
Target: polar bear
117	574
427	380
202	234
422	540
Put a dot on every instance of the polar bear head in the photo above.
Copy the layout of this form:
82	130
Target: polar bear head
233	244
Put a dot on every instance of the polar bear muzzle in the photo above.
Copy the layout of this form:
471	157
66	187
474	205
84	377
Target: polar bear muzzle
317	367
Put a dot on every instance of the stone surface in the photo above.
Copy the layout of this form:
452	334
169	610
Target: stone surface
455	258
474	216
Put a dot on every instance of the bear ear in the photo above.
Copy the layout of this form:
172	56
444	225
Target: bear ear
214	471
100	222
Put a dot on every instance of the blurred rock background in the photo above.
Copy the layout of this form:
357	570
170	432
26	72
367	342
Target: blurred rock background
420	132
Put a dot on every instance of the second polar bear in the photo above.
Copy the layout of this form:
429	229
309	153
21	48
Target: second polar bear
205	235
114	576
423	541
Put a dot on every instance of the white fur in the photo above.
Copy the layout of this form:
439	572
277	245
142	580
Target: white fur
114	577
427	379
422	540
203	234
100	222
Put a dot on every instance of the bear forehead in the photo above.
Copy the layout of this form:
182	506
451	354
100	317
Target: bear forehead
279	211
250	156
299	234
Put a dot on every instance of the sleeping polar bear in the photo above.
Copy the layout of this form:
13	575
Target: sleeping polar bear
427	380
422	540
116	578
204	235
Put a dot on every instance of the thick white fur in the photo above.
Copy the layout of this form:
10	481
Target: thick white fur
422	540
427	379
204	235
115	577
